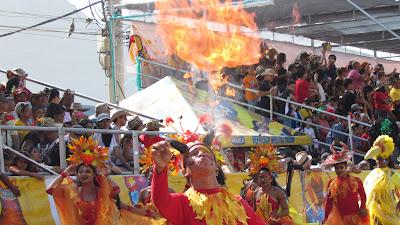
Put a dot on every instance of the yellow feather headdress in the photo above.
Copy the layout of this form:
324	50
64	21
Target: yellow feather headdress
383	147
265	156
87	151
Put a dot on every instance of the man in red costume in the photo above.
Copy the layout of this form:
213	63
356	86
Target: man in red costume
205	202
344	191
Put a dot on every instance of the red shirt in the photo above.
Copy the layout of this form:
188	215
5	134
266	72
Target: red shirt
347	204
379	98
149	140
301	90
175	206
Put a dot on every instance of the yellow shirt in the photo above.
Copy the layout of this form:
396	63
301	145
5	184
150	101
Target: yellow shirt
395	94
21	133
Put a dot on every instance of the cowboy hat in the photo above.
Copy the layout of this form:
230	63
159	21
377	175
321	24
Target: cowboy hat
302	157
118	113
78	107
134	123
267	72
153	125
336	158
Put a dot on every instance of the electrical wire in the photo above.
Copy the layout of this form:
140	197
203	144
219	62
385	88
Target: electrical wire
49	20
54	36
51	30
37	15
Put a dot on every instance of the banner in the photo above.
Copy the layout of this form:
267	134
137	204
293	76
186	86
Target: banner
35	207
32	207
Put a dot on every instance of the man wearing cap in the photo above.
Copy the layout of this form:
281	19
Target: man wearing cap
100	108
146	139
108	140
356	108
198	205
104	139
344	191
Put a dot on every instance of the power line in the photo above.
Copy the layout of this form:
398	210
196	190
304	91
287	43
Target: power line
37	15
60	37
49	20
52	30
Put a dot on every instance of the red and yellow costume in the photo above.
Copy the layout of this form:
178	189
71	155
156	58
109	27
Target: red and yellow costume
266	206
266	157
341	206
200	207
73	210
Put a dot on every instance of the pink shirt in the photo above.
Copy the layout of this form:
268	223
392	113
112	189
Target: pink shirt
358	81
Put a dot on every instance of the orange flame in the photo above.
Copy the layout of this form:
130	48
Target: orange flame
207	33
230	92
217	80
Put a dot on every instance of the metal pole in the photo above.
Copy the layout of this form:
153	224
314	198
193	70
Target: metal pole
62	148
29	159
2	169
350	136
136	146
86	97
373	19
271	107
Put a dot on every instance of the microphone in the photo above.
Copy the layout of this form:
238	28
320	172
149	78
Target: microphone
181	147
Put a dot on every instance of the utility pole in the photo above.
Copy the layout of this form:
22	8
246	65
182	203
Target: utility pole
116	80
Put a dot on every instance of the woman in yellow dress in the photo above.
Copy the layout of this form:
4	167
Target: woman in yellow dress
89	200
382	184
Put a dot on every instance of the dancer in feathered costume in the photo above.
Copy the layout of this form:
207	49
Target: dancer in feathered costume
270	201
344	191
89	200
382	184
205	201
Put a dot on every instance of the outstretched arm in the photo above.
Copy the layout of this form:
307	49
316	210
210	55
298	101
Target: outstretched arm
59	178
169	205
9	185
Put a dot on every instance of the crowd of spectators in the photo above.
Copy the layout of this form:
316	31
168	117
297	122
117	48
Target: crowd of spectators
50	108
366	92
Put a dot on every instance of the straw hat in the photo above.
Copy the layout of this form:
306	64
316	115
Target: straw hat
339	157
301	158
119	113
78	107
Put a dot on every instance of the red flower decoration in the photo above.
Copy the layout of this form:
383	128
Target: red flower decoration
188	137
169	120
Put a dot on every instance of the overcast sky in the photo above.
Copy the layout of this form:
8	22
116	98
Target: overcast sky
69	63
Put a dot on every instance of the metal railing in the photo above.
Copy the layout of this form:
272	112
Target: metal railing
86	97
272	113
62	149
